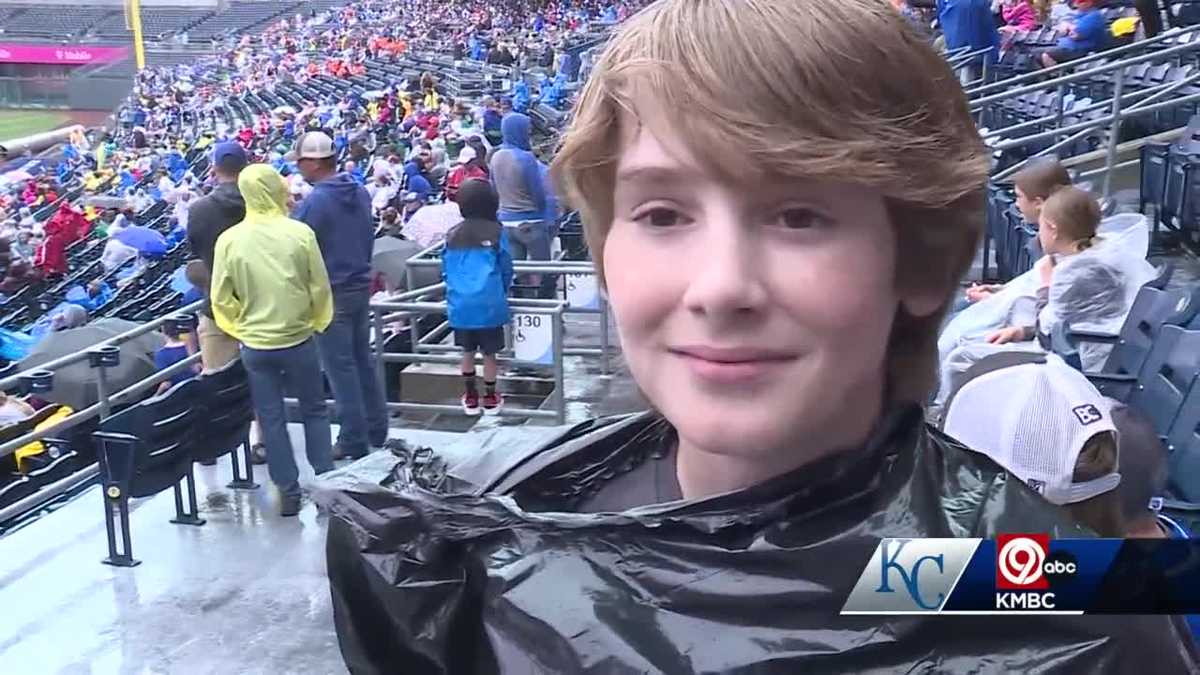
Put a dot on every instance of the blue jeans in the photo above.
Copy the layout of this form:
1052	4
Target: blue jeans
350	365
297	371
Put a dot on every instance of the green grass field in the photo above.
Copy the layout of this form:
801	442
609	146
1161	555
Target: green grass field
20	123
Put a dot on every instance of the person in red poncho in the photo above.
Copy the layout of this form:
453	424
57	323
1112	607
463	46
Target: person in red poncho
67	226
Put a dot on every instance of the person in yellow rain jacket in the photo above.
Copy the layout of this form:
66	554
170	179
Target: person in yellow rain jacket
270	291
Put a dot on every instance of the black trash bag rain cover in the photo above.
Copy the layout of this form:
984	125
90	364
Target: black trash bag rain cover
483	567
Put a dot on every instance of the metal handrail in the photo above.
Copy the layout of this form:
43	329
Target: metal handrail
978	104
1016	143
1112	119
69	359
1098	56
553	308
1151	92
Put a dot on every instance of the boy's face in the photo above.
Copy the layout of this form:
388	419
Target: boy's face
1031	209
755	316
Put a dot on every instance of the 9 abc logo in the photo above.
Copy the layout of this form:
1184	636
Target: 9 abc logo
1024	563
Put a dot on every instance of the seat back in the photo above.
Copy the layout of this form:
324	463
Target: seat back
1153	180
228	411
1183	446
148	447
1167	376
1152	309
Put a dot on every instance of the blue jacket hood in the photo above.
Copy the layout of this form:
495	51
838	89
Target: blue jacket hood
515	129
339	212
412	169
341	188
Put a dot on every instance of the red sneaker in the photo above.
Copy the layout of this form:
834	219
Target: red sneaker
492	404
470	404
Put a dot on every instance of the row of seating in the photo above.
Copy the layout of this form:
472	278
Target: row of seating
51	22
1168	183
1007	236
152	446
157	22
1154	366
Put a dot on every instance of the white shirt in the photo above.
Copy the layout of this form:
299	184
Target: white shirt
116	254
181	210
166	188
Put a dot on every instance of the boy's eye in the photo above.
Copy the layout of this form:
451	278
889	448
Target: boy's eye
797	218
660	217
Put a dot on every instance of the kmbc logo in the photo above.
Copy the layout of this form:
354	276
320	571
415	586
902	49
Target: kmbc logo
1021	562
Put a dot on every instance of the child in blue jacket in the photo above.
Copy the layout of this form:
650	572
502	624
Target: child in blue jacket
478	271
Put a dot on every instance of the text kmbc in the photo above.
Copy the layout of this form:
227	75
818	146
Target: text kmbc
1025	570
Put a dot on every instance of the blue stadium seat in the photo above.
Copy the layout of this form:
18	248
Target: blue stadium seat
1153	309
143	450
1183	446
1165	378
228	412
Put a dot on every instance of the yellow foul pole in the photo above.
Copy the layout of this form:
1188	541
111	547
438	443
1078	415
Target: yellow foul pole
133	19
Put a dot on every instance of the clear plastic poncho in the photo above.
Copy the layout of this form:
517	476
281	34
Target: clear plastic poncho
1091	290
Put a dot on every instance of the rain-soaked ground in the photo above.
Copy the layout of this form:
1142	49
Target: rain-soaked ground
245	593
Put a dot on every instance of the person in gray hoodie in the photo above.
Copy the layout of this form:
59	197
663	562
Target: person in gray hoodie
517	177
339	212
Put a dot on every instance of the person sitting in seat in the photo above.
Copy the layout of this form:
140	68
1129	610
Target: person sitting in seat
1018	15
1068	222
1086	32
176	349
1045	423
1033	186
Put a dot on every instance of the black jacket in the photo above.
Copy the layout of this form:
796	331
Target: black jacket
210	216
207	219
489	569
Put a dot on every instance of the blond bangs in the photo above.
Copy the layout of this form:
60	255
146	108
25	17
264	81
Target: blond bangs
831	89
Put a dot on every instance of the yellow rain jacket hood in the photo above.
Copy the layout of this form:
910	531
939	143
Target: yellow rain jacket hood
270	289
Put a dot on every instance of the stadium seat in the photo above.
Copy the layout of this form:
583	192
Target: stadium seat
143	450
1165	378
225	425
1183	446
1154	308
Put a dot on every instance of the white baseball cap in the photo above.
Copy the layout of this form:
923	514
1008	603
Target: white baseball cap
312	145
465	155
1034	419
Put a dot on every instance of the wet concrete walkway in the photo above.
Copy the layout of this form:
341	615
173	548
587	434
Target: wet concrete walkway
245	593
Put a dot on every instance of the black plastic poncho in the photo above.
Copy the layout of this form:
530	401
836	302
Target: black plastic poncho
485	569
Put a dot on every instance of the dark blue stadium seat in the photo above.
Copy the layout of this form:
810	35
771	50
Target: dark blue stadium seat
1153	309
1153	182
228	412
1183	446
1166	377
142	451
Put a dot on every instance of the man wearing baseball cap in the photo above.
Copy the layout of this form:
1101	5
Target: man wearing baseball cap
208	218
339	211
469	166
1047	425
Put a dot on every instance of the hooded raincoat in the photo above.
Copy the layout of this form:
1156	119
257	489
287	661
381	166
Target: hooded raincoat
269	285
490	568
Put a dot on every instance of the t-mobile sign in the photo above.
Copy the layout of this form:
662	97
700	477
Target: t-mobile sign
60	54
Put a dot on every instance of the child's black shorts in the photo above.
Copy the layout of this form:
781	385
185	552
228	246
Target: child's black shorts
486	341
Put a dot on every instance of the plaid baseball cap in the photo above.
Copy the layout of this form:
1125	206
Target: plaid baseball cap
1034	419
312	145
